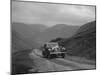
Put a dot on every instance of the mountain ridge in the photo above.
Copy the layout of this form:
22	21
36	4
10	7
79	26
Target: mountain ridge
60	30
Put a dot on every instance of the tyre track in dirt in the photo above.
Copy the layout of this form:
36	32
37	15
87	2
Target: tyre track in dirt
45	65
59	64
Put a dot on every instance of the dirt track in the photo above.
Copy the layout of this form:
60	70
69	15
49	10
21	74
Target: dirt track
56	64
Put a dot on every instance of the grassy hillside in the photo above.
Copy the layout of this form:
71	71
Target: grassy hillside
83	43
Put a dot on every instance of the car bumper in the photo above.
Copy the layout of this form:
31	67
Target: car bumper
57	52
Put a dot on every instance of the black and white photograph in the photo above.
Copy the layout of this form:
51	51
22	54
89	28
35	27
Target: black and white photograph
52	37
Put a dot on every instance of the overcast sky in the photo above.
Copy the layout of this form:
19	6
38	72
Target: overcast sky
51	14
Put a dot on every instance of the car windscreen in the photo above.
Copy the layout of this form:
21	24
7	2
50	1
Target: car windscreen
52	45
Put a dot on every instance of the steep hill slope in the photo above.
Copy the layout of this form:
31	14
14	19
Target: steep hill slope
87	28
83	43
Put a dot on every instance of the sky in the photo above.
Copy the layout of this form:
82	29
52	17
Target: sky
51	14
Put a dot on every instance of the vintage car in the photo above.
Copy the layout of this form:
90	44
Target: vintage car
52	49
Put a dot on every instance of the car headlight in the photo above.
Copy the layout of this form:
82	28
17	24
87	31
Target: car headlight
49	49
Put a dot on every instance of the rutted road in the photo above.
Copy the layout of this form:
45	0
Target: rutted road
57	64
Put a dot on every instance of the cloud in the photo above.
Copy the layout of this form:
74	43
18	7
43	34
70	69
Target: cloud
51	14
